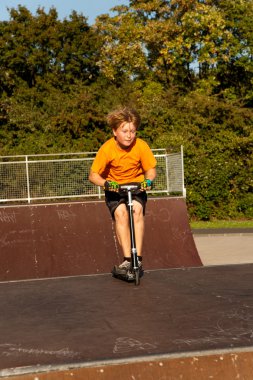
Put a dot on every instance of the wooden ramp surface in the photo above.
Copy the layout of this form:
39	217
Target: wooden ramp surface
178	321
69	239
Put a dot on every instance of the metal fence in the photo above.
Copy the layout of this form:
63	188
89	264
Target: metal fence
31	178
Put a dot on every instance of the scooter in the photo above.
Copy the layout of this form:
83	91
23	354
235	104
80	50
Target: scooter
135	272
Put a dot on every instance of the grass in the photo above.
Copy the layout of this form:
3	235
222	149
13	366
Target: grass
222	224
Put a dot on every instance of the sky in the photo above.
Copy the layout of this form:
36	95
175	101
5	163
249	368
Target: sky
89	8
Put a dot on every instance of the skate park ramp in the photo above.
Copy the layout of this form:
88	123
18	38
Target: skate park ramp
68	239
63	316
184	323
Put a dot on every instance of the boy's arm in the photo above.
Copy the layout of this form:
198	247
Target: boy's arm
150	174
100	181
149	178
96	179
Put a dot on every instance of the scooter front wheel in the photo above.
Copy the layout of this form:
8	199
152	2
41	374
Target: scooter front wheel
137	276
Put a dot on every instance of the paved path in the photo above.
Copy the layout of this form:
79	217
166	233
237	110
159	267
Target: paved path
224	247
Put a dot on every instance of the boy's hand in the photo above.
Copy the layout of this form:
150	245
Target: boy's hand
146	184
111	186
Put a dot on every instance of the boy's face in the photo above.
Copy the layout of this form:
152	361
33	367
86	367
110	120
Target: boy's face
125	134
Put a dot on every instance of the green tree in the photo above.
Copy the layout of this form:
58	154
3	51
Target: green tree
35	48
236	74
164	39
44	64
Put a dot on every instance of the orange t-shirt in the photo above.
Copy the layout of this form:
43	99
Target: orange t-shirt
123	165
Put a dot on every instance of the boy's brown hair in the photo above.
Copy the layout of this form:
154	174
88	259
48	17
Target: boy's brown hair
123	115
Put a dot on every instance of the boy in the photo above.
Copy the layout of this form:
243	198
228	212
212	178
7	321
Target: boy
125	159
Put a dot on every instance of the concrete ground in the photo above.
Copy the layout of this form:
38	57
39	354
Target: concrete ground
223	247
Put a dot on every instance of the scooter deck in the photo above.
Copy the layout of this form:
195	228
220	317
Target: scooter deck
125	277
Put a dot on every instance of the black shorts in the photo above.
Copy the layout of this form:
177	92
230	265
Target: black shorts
114	199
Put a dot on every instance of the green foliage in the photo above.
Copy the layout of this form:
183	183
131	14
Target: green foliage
217	139
35	48
186	65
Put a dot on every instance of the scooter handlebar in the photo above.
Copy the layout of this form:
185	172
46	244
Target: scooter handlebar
131	186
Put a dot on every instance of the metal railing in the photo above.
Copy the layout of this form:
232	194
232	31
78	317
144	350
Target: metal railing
30	178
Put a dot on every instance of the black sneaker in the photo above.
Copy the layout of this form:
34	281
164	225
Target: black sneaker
123	268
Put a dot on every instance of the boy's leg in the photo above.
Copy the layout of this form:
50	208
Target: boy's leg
118	208
138	226
122	229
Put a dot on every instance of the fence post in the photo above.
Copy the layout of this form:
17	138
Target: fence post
167	174
182	165
27	179
99	192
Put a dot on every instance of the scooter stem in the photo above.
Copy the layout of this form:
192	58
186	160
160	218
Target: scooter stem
132	232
